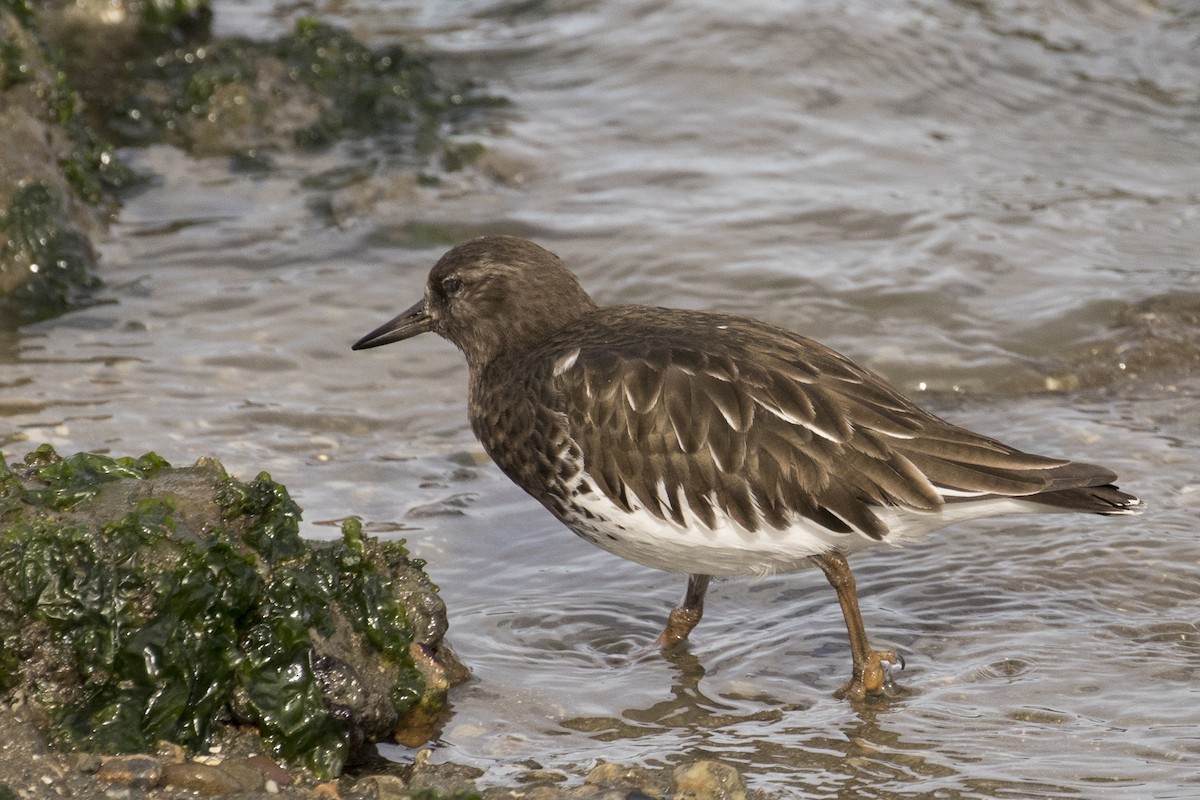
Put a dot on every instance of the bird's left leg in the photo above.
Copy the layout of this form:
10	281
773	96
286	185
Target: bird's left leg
687	616
870	666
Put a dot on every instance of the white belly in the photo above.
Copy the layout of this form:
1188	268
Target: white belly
730	549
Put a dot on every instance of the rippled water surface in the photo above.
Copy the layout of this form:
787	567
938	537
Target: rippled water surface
968	197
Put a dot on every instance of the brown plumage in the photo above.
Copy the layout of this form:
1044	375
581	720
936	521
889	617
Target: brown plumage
712	444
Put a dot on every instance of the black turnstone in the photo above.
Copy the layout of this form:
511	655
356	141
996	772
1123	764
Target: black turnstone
709	444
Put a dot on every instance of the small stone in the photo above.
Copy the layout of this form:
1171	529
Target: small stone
271	770
446	777
169	752
135	771
246	773
620	776
87	763
270	786
202	778
708	780
382	787
326	791
542	776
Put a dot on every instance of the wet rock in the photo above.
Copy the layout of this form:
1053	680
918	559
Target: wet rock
382	787
211	573
441	777
632	778
203	779
1155	339
237	97
87	763
707	780
169	753
53	169
270	770
247	774
136	771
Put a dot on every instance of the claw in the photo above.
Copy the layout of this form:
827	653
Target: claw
875	675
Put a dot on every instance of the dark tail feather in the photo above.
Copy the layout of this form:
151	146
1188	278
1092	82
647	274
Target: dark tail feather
1107	499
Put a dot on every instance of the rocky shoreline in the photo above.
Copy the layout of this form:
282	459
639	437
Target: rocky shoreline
238	768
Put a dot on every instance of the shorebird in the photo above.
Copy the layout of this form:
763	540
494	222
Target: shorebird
713	445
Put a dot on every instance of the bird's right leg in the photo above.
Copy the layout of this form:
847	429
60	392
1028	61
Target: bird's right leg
870	666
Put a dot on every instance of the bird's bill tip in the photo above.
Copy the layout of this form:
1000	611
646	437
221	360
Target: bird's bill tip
403	326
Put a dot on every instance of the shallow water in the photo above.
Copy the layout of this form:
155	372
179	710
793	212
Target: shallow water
959	195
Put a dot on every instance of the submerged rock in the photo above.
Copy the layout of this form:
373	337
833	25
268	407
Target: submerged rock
708	780
1153	340
139	602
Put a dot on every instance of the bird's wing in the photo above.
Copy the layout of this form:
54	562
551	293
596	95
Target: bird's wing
768	429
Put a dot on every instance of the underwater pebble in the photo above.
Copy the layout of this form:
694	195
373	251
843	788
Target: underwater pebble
708	780
621	776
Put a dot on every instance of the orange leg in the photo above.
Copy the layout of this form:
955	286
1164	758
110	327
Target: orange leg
687	616
870	666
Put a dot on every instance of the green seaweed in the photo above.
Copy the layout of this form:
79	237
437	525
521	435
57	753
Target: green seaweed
175	20
59	262
390	93
21	9
374	91
165	636
13	67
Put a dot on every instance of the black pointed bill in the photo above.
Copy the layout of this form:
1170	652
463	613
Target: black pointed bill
403	326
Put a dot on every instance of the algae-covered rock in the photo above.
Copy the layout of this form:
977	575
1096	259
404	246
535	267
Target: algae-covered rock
309	88
139	603
53	172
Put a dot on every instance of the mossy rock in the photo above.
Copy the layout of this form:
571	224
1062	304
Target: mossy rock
139	602
56	175
308	89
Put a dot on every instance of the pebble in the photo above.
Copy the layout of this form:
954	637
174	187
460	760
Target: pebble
271	771
326	791
708	780
247	774
446	777
87	763
135	771
382	787
620	776
169	752
202	778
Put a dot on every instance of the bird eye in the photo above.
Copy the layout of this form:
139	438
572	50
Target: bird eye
451	286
